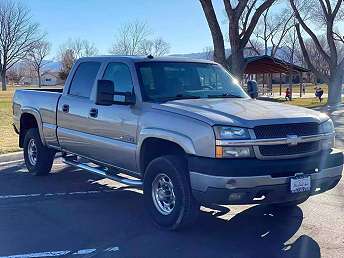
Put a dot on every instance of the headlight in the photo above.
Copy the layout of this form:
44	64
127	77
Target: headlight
231	133
327	127
234	152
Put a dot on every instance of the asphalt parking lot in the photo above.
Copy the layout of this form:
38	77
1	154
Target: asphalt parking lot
73	213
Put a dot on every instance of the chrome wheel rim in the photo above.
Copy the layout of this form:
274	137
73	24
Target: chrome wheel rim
163	194
32	152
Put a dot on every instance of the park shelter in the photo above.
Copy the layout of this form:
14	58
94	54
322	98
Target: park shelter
261	67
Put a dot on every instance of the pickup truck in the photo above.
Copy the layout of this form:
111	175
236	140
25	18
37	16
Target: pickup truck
181	129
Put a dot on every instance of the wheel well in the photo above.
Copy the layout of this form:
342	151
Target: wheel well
155	147
27	121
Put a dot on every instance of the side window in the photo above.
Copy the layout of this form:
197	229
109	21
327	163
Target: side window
83	79
120	75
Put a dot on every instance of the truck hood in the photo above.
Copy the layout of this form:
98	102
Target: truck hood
244	112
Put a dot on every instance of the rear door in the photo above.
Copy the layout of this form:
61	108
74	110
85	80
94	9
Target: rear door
73	114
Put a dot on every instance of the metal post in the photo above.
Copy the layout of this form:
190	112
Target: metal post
301	84
280	79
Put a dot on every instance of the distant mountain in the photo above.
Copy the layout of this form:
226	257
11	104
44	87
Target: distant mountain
52	66
282	53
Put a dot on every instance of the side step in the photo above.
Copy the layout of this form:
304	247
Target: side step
126	181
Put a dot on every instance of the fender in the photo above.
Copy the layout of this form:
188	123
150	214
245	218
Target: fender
182	140
37	115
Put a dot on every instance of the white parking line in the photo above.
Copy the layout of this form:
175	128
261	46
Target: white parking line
10	196
10	162
59	253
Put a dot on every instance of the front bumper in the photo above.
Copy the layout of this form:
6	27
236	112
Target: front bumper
251	181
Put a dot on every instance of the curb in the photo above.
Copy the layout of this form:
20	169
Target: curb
11	156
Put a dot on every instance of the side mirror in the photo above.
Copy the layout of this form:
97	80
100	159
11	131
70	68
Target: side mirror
105	92
124	98
106	95
252	89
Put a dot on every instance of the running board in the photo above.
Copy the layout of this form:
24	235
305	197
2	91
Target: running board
99	172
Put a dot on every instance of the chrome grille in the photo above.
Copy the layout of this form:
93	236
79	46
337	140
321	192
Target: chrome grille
282	131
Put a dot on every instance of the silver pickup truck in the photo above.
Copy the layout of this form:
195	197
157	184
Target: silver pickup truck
183	130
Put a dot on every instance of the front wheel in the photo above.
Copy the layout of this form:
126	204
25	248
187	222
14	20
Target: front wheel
38	158
167	193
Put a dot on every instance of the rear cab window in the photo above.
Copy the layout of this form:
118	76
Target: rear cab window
83	79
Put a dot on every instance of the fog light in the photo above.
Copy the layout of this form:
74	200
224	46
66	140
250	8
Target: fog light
235	196
234	152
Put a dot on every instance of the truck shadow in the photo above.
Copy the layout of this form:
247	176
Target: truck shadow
118	218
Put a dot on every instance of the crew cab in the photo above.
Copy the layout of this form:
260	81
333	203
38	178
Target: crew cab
183	130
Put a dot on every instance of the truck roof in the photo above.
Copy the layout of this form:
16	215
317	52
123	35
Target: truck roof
135	59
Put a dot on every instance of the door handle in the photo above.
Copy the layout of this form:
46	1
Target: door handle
93	112
65	108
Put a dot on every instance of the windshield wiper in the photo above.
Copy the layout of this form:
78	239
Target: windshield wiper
178	96
223	95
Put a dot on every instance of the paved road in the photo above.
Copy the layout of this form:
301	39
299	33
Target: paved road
71	211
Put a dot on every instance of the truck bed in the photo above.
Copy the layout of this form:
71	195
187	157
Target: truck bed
40	102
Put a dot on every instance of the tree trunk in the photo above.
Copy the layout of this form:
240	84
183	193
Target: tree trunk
39	79
3	80
237	63
335	89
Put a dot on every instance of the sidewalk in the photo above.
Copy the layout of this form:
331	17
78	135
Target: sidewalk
338	120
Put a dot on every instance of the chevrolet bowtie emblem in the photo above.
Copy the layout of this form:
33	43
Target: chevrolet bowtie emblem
293	140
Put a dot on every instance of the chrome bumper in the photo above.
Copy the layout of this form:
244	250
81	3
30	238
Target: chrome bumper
201	182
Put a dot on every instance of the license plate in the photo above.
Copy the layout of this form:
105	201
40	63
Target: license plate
300	184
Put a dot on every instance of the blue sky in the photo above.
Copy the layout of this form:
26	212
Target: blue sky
179	22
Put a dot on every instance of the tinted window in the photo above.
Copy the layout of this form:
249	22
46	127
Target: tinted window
120	75
162	81
83	79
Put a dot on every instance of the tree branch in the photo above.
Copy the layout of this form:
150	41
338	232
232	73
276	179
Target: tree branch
310	32
306	56
254	20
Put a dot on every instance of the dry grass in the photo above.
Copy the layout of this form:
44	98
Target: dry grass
309	88
8	138
305	102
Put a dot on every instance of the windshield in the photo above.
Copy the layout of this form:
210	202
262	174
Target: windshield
163	81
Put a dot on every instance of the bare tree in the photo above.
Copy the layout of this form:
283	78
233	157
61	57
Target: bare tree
155	47
242	20
130	37
327	12
72	50
18	34
134	39
36	57
16	73
208	53
272	29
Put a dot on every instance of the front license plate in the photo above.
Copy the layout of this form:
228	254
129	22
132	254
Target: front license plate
300	184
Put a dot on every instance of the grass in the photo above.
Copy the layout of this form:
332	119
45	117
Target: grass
302	102
8	138
309	88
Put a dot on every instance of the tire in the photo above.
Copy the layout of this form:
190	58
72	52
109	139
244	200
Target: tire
38	158
172	172
289	205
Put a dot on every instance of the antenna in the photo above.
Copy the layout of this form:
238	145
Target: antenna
150	56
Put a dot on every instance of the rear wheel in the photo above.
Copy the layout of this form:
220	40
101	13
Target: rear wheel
167	193
38	158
